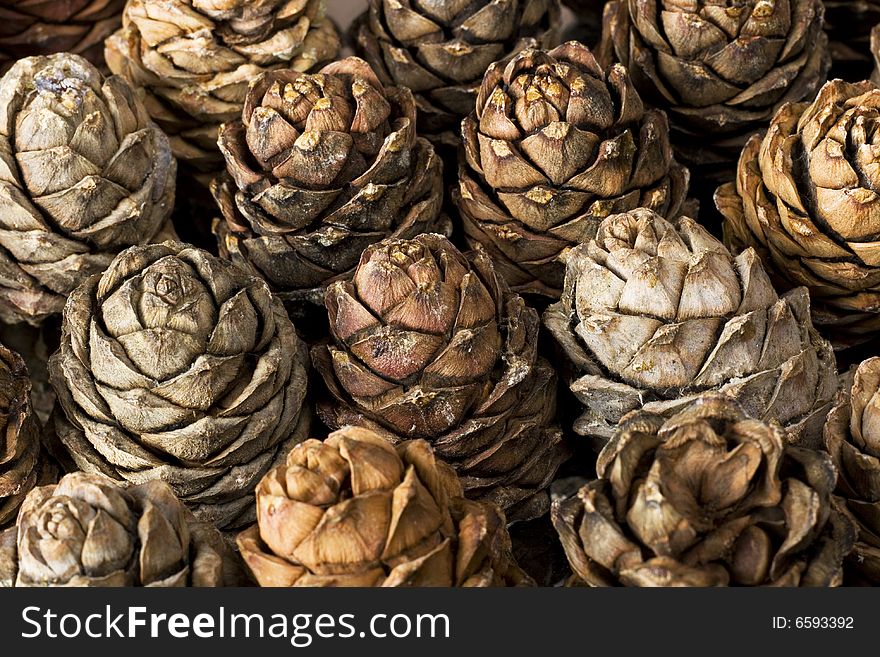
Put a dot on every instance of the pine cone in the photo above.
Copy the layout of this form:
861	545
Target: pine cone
195	58
554	147
22	465
79	27
440	49
709	497
719	69
852	437
355	511
84	173
177	365
431	346
806	197
320	167
89	531
848	24
654	313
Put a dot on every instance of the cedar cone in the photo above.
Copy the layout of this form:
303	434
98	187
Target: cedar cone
320	167
179	366
720	69
807	198
440	49
355	511
46	27
430	345
194	60
84	174
22	462
708	497
852	437
653	313
90	531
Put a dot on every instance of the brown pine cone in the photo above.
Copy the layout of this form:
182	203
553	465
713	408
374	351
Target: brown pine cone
432	346
84	174
708	497
654	313
355	511
194	60
46	27
441	49
556	145
320	167
90	531
22	463
807	198
852	437
177	365
720	69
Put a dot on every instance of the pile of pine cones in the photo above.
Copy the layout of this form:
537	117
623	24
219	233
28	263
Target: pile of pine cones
480	305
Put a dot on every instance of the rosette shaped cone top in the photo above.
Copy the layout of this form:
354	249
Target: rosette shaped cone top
807	197
852	437
195	58
848	24
708	497
654	313
320	167
441	48
555	145
355	511
179	366
90	531
720	69
430	345
22	465
84	174
45	27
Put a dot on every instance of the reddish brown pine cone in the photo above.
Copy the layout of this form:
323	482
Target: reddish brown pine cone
320	167
430	345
